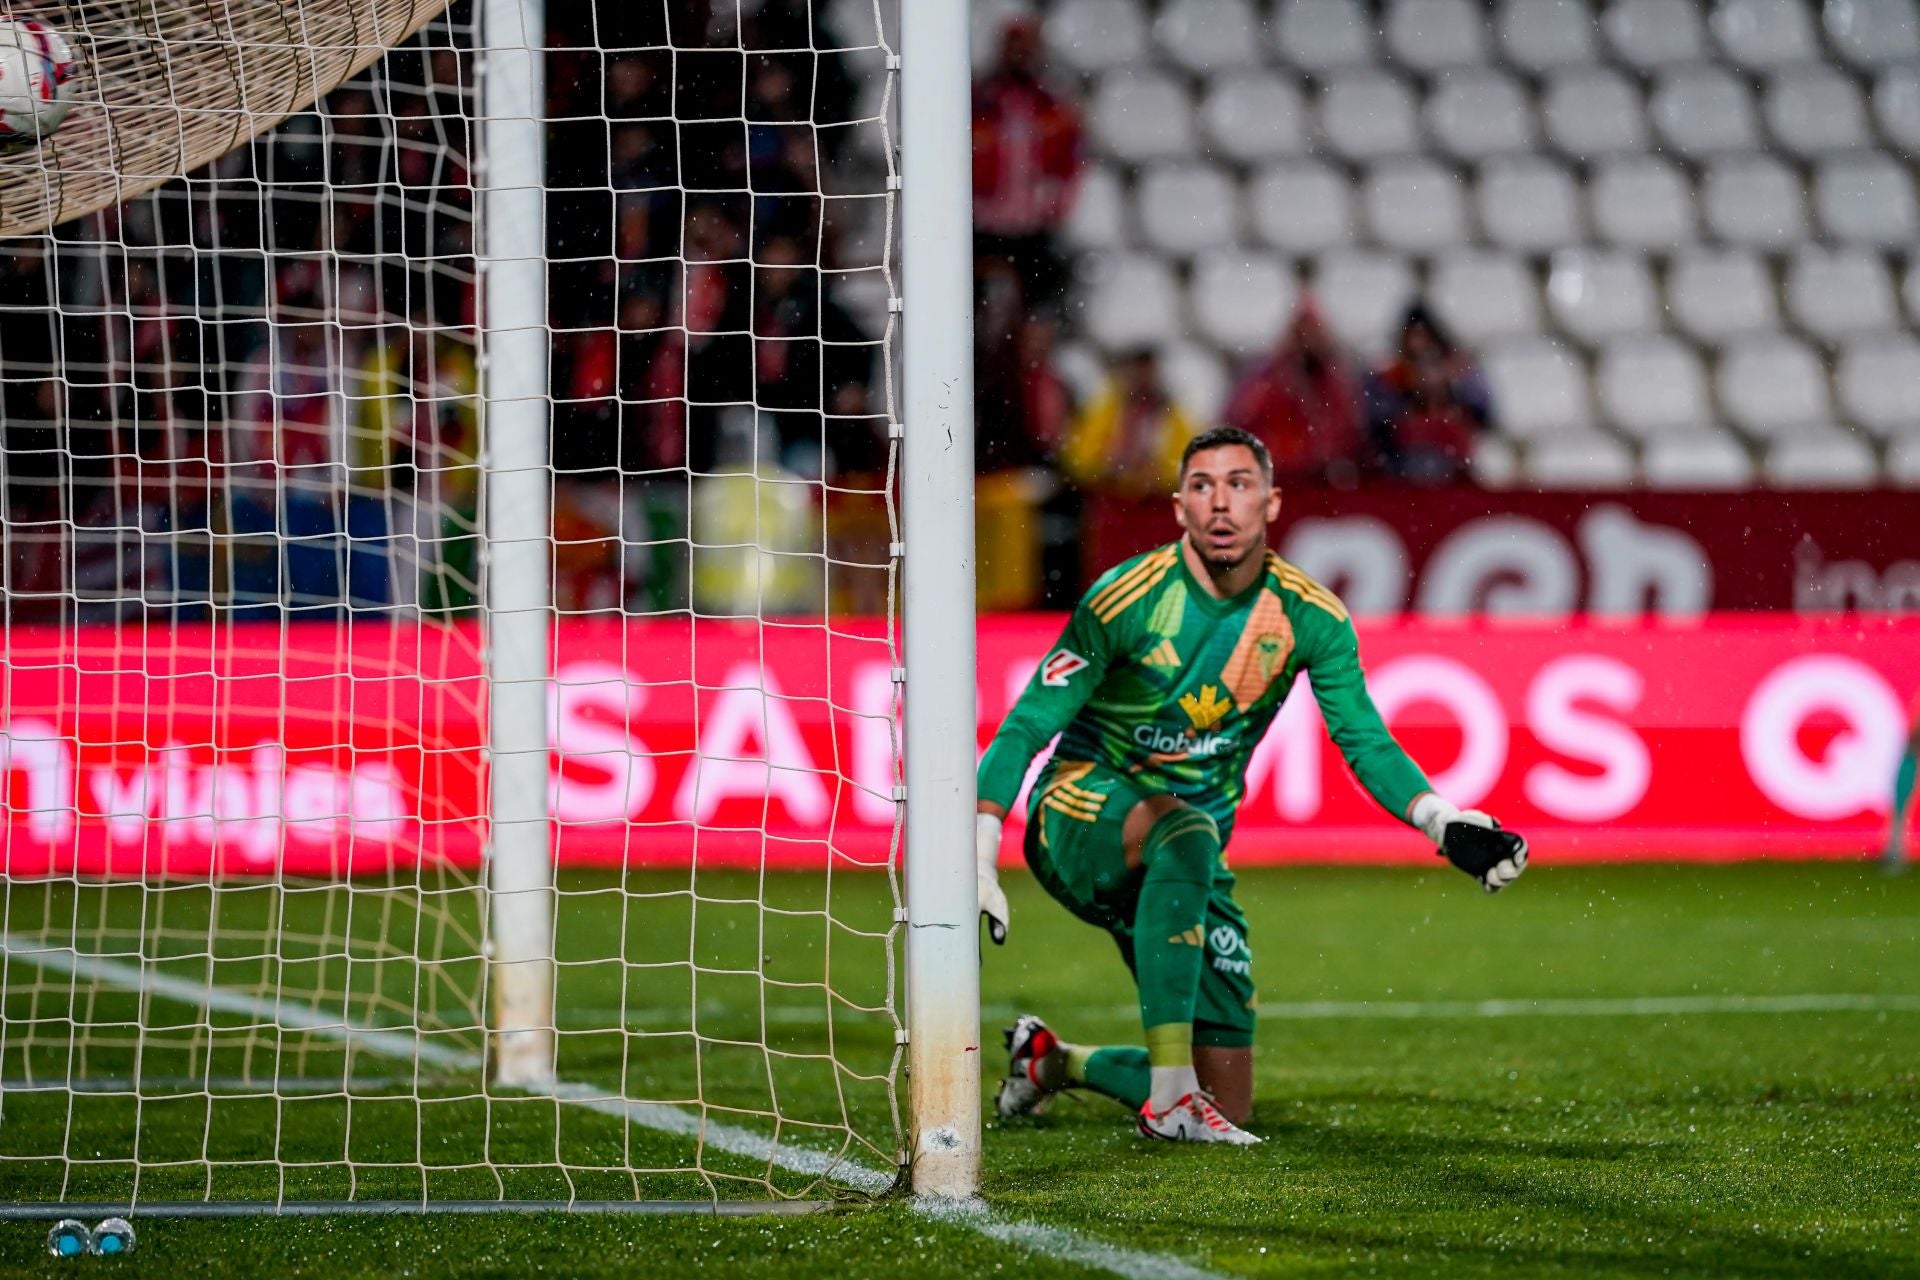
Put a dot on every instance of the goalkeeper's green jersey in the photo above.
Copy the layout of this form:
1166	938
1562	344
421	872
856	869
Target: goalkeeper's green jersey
1158	679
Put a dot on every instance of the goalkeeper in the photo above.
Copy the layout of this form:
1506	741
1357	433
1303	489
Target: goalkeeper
1160	688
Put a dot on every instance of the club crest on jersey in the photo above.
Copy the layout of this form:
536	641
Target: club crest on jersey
1207	709
1060	667
1269	651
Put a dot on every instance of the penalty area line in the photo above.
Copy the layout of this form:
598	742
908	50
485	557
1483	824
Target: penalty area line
1057	1243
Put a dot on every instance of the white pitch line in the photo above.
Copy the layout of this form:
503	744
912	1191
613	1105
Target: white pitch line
1057	1243
1332	1010
1592	1007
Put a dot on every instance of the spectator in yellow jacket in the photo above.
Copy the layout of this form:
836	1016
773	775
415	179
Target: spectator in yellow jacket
1127	438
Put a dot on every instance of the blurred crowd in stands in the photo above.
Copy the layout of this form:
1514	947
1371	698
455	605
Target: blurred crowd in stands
1327	419
260	386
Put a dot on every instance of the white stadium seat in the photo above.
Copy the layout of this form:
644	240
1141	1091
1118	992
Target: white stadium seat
1539	388
1241	300
1867	200
1528	204
1706	458
1252	116
1703	111
1092	36
1879	383
1196	378
1654	33
1592	113
1138	116
1303	208
1485	114
1763	34
1903	463
1098	219
1364	296
1772	385
1754	201
1642	202
1540	35
1206	36
1896	106
1717	294
1323	35
1415	205
1369	115
1873	33
1814	110
1838	293
1129	301
1588	460
1652	385
1433	35
1495	464
1596	295
1484	296
1828	459
1186	207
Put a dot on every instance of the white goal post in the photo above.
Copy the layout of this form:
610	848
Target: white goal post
469	546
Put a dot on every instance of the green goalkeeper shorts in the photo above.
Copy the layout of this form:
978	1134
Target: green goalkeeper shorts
1075	848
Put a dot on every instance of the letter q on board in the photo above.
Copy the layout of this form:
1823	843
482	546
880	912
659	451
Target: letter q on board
1858	767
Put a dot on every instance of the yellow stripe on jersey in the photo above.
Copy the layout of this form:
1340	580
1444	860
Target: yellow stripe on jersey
1055	795
1120	584
1158	560
1076	814
1081	794
1306	588
1112	610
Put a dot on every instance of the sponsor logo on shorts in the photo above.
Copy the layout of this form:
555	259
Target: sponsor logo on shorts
1060	667
1230	951
1155	738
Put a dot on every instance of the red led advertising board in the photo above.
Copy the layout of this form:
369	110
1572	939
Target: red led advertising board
323	750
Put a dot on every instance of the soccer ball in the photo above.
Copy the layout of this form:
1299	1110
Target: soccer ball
37	75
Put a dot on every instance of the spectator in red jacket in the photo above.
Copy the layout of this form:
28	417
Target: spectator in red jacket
1303	400
1026	158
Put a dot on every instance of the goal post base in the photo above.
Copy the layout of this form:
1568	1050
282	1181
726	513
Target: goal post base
397	1208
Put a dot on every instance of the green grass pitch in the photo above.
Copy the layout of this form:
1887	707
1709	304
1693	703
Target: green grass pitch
1611	1132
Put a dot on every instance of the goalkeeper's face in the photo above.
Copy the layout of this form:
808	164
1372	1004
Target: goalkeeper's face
1225	503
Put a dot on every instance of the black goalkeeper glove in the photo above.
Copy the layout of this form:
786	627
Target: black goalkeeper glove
1472	841
1493	857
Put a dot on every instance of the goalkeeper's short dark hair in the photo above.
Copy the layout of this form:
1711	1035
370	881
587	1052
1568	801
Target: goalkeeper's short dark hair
1220	437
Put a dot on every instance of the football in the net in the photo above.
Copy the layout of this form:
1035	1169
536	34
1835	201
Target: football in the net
37	76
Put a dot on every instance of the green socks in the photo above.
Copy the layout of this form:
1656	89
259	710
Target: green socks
1903	783
1119	1072
1170	929
1169	946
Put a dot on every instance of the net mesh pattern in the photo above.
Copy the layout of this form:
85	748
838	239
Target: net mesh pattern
244	916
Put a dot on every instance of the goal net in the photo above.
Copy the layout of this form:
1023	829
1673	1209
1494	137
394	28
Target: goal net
449	682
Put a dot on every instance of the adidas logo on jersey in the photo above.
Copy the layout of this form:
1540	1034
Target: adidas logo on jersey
1163	655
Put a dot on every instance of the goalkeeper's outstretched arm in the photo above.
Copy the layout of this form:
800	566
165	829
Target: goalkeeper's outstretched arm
1469	839
1061	685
